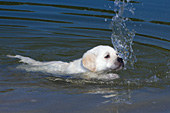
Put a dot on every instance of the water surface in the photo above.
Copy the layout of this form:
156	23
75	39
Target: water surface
64	30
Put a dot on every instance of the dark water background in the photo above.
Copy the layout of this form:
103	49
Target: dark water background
64	30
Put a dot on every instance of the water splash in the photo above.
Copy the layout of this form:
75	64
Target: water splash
122	37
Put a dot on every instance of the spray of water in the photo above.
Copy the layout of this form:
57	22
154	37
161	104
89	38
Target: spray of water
122	37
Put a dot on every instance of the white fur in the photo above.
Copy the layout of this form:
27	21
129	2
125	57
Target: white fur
92	61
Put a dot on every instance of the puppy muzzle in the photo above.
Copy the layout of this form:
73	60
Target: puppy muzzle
120	60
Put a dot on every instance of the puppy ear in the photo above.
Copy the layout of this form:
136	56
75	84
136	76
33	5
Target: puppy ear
89	61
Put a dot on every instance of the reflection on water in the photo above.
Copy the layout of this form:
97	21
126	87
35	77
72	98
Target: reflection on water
111	91
112	96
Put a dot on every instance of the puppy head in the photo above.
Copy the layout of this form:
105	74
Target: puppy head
102	58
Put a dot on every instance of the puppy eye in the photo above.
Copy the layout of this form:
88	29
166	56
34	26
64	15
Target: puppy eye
107	56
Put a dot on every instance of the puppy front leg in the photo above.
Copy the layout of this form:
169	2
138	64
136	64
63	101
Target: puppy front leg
101	76
111	76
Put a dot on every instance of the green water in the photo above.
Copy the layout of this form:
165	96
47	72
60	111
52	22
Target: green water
64	30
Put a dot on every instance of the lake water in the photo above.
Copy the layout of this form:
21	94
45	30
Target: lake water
64	30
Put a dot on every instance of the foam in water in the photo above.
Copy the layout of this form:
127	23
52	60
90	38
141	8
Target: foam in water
122	37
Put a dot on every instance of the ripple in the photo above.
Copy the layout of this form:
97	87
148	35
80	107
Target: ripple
160	22
4	9
33	19
153	37
59	6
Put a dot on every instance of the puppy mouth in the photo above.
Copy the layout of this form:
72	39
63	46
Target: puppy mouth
119	63
119	67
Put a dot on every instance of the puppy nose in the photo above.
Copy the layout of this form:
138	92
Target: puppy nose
120	60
